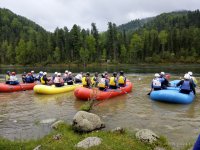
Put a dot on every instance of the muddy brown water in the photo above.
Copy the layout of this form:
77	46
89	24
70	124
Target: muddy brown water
26	115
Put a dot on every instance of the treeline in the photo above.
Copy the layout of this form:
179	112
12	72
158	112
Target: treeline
172	37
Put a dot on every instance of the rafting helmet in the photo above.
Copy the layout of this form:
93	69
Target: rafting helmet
190	73
114	74
45	73
87	73
8	72
121	72
187	76
157	75
162	73
96	74
58	74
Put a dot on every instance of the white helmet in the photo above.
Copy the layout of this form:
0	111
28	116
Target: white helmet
56	73
187	76
66	71
32	71
157	75
45	73
70	73
162	73
190	73
41	72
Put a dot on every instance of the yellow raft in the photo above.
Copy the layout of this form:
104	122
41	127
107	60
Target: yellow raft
45	89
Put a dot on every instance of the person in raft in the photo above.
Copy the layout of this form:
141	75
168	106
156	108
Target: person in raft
186	85
197	144
194	80
13	79
164	81
44	80
70	79
86	81
24	77
113	83
103	83
38	77
65	76
54	76
156	83
121	79
29	78
78	78
7	77
59	80
33	75
95	80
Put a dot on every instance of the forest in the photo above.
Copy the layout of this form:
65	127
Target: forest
167	38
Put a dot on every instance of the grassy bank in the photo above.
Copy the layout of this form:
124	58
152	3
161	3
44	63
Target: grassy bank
68	140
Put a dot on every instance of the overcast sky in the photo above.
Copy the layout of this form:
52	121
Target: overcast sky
59	13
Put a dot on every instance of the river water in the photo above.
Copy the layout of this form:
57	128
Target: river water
26	115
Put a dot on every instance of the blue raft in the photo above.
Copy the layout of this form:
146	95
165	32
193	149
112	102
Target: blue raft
172	95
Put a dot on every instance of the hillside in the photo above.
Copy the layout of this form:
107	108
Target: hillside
134	24
168	37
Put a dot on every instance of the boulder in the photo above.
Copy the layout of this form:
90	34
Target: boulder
118	130
89	142
86	122
146	135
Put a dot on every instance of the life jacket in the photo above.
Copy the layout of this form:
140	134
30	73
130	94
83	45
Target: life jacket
162	79
112	81
57	80
156	83
7	77
29	79
84	82
185	85
93	80
102	83
121	80
42	80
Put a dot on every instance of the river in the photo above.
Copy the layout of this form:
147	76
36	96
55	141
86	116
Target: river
26	115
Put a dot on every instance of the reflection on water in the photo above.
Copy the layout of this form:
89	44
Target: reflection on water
22	114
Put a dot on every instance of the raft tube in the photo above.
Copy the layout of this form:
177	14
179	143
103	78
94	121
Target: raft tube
14	88
46	89
172	95
83	93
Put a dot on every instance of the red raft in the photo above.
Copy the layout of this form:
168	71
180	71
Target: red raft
83	93
14	88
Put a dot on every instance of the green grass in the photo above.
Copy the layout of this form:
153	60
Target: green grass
69	138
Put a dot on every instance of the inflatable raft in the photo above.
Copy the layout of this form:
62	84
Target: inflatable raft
172	95
83	93
14	88
46	89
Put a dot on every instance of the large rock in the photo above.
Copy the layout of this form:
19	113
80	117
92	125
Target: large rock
85	122
146	135
89	142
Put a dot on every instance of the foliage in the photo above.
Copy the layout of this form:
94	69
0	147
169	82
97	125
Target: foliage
168	37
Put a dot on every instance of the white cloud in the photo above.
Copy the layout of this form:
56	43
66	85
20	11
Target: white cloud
59	13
